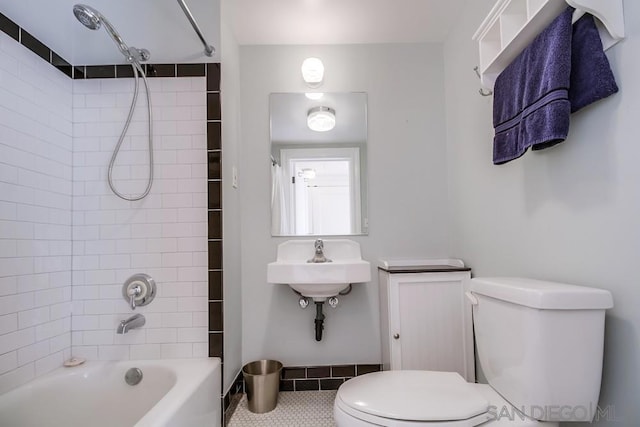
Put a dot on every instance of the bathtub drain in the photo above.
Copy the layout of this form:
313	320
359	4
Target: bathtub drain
133	376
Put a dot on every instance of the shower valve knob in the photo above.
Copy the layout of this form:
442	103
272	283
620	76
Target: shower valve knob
134	292
139	290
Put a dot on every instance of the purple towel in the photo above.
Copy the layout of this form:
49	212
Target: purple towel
531	96
561	71
591	75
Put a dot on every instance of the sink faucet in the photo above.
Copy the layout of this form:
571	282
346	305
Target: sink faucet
319	255
133	322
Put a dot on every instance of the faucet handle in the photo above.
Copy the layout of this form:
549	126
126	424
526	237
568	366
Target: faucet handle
139	289
319	255
134	292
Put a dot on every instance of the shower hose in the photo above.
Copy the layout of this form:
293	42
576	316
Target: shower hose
137	71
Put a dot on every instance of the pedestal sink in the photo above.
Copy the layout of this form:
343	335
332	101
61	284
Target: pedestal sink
319	280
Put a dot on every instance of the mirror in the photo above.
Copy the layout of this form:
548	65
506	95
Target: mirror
318	177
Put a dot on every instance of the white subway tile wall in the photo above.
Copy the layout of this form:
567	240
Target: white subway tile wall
35	215
163	235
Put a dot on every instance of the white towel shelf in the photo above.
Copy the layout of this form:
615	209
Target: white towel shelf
513	24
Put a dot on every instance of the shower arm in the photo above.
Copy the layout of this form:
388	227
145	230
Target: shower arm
208	49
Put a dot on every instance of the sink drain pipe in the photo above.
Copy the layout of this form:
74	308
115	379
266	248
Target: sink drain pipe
319	320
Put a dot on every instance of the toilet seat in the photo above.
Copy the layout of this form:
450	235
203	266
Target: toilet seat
404	398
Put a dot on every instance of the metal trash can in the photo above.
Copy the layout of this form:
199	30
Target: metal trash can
262	379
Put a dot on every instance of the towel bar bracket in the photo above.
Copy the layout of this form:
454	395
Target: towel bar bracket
482	91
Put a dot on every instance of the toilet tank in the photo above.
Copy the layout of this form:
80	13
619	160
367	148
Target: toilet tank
540	344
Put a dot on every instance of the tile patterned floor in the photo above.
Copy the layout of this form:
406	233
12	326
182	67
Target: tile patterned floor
295	409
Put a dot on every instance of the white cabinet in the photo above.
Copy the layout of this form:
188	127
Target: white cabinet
425	318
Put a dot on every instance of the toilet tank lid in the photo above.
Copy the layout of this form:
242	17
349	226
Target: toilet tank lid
541	294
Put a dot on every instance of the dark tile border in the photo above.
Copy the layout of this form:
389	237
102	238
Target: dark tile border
214	111
99	72
123	71
215	217
213	77
326	377
151	70
161	70
9	27
35	45
78	72
214	136
191	70
215	210
20	35
110	71
62	65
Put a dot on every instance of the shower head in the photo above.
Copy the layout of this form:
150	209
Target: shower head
92	19
88	16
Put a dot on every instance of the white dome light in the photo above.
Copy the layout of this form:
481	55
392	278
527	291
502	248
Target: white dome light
313	72
321	119
314	96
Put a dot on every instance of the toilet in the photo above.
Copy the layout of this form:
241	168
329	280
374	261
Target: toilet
540	346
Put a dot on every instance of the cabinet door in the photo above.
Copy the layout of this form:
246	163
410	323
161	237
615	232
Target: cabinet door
430	323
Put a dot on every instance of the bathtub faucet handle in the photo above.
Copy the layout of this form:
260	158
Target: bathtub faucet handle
134	292
139	290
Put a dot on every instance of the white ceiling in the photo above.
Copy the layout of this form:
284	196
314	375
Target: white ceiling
342	21
160	25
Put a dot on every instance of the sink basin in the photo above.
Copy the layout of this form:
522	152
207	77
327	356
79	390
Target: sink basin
319	280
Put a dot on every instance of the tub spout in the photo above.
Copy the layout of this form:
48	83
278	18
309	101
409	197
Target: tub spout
133	322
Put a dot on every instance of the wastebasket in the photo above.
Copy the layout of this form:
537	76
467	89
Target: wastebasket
262	379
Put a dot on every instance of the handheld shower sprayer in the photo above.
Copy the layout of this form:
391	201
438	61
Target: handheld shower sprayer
93	20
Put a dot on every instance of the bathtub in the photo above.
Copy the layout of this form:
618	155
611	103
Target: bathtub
173	392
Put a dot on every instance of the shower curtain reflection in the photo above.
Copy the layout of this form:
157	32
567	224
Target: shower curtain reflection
279	217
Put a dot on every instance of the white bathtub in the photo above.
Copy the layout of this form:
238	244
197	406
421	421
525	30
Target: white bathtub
177	392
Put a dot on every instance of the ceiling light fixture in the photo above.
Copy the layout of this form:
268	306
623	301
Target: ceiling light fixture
313	72
321	119
314	96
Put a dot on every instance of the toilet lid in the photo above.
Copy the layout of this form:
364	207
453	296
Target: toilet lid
413	396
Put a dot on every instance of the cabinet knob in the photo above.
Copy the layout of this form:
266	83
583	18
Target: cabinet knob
396	336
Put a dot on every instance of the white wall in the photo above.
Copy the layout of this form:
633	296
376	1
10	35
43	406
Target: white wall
35	215
407	191
230	90
159	26
569	213
163	235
